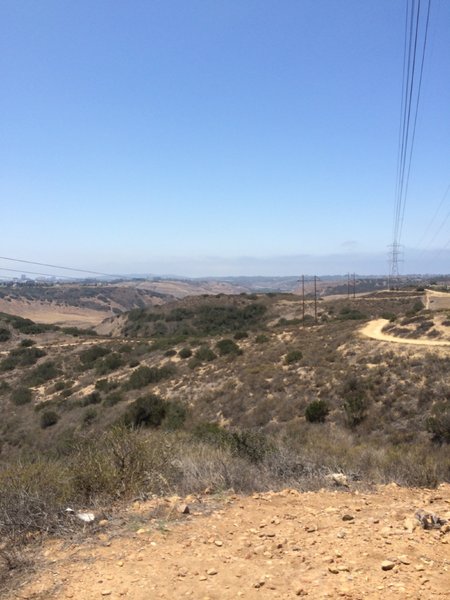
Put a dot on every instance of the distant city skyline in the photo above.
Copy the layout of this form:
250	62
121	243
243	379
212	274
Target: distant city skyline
209	139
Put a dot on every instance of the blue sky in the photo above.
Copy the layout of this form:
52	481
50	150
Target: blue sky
217	137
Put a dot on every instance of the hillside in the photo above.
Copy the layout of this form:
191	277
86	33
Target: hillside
241	361
73	304
218	392
87	304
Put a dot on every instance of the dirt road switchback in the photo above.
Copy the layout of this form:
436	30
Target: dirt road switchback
374	330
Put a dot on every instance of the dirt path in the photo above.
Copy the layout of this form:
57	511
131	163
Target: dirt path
276	545
373	330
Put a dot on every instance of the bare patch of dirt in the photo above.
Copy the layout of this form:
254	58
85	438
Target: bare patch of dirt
45	312
324	544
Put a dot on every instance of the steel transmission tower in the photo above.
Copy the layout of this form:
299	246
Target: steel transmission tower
395	257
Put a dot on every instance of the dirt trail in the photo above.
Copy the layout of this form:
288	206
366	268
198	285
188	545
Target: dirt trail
276	545
373	330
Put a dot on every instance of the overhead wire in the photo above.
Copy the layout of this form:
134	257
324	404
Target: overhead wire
26	271
419	89
410	101
433	218
40	264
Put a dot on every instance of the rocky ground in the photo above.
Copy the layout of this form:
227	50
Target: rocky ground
326	544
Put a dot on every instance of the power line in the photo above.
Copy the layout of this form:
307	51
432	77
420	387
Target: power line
419	88
31	262
23	271
433	218
409	107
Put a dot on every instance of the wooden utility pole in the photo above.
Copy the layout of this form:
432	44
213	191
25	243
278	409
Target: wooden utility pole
348	285
303	299
315	298
354	285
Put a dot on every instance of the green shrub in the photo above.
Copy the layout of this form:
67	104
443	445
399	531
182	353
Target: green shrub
5	334
438	423
144	376
245	443
27	343
317	411
417	306
42	373
205	354
48	418
175	416
251	445
355	408
261	338
92	398
34	496
226	347
349	313
113	399
240	335
28	327
89	356
389	316
8	364
4	387
147	411
125	349
90	414
77	332
27	356
21	396
212	320
121	463
194	363
170	352
185	353
212	433
105	385
293	356
111	362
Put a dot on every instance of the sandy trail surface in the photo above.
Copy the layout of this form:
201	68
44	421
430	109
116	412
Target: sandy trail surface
274	545
373	330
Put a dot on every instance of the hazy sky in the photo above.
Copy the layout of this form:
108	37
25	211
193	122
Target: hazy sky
218	136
